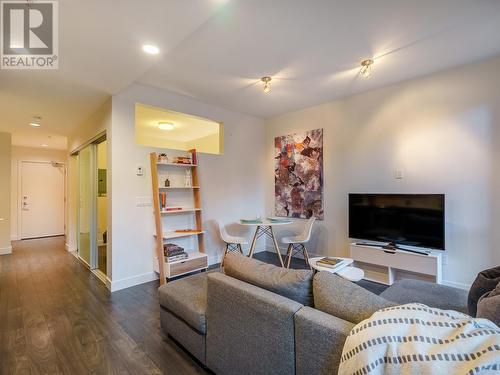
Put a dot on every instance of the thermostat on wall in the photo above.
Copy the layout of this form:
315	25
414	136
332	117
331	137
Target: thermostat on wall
139	171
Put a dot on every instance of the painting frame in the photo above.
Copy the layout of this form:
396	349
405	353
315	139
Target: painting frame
298	175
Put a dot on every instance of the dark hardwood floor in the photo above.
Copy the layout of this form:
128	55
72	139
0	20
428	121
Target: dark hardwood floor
56	317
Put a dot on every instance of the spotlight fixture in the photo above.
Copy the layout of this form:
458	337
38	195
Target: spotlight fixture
152	50
267	84
166	126
366	68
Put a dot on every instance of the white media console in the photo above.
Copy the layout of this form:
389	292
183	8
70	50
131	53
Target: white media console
385	266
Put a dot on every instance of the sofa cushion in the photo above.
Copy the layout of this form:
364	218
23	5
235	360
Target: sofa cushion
430	294
485	281
341	298
187	300
293	284
488	306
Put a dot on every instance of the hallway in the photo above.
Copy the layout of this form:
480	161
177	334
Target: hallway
56	317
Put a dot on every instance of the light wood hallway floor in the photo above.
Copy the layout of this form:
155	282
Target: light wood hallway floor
56	317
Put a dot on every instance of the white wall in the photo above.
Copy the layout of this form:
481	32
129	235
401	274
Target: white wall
5	171
442	131
231	184
20	153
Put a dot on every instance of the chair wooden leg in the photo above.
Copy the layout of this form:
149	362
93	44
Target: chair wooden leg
306	256
224	256
289	255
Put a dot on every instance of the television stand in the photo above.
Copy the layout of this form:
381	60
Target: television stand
392	247
385	266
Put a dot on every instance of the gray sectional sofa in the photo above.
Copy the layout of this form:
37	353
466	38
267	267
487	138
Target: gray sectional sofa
256	318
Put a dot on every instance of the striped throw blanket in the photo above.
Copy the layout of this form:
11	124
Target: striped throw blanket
417	339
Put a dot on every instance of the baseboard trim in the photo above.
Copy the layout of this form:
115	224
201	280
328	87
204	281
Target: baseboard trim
455	284
132	281
6	250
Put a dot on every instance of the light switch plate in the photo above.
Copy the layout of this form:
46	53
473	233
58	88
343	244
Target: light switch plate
398	174
143	202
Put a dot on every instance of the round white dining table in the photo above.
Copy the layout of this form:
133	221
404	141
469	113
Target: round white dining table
265	228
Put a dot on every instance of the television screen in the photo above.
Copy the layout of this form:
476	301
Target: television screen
405	219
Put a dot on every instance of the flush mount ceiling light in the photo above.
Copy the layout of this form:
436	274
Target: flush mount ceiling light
366	68
149	48
267	84
35	122
166	126
44	145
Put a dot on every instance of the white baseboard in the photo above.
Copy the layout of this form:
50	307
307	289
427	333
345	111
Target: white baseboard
6	250
132	281
69	249
213	260
455	284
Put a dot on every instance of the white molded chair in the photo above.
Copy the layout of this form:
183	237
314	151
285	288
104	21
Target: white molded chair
297	243
233	243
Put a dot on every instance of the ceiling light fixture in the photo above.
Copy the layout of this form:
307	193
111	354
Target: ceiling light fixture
267	84
35	122
152	50
44	145
366	68
166	126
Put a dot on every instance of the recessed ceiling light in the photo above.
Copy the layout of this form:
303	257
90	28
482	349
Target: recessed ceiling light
35	121
152	50
267	84
166	126
35	124
366	68
44	145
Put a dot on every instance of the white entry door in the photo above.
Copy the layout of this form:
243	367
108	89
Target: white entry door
42	199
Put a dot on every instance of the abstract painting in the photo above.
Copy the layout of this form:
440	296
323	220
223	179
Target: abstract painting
298	174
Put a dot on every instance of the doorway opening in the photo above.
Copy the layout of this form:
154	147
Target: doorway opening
92	226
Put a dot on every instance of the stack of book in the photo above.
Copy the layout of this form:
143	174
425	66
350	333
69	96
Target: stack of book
173	253
182	160
331	262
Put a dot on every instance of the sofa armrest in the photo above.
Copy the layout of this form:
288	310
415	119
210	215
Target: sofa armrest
250	330
319	340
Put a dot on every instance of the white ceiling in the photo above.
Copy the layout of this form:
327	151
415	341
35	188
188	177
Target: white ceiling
216	51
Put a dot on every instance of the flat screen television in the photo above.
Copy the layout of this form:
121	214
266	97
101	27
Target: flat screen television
405	219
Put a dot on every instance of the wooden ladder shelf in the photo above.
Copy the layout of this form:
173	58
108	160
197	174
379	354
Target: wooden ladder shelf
197	260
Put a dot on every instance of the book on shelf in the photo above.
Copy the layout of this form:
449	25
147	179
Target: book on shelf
173	208
176	258
182	160
171	249
330	262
